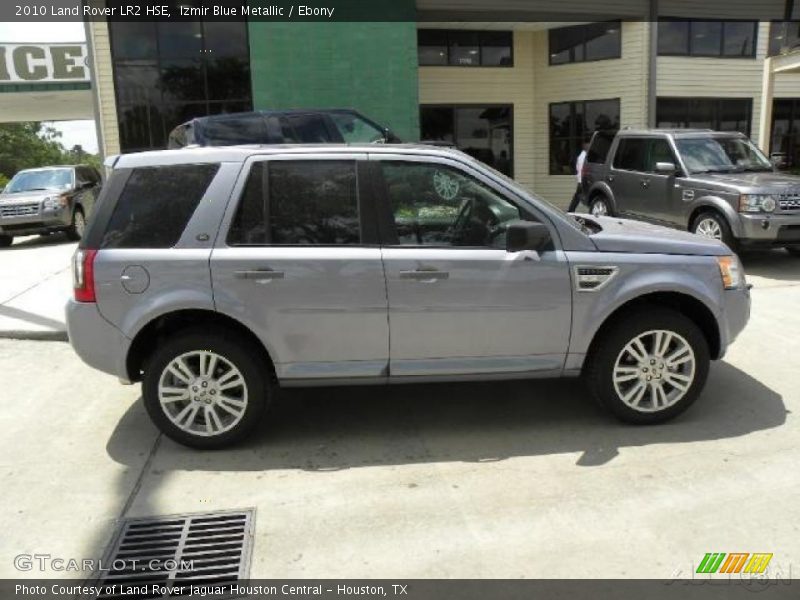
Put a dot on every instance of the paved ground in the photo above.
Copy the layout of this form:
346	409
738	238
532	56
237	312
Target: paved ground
34	285
480	481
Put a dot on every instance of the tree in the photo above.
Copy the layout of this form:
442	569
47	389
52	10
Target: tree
29	145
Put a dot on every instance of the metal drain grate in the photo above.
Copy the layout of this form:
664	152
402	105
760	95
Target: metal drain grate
152	555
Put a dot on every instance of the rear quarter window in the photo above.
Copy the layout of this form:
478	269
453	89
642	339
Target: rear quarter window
601	144
156	204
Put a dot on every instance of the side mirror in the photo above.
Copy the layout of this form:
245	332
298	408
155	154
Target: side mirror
526	235
666	168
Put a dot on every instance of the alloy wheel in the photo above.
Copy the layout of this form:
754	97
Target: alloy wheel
599	208
203	393
79	223
654	370
709	227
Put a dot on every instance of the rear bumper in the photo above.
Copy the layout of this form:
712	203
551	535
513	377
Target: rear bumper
769	230
98	343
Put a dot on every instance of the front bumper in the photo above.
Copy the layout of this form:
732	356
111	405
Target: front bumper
774	229
735	315
29	223
98	343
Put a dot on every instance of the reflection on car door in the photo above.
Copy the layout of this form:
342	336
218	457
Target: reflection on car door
458	302
301	267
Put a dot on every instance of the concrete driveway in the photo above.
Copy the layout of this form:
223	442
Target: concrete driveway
501	480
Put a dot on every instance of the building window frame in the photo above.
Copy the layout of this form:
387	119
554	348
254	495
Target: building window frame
584	29
482	34
752	55
477	105
575	139
787	35
716	110
158	107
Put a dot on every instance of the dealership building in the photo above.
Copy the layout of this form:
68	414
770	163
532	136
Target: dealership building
520	94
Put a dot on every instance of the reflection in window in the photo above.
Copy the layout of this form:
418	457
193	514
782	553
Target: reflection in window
483	132
439	47
307	203
572	123
579	43
785	141
784	37
719	114
707	38
434	205
166	73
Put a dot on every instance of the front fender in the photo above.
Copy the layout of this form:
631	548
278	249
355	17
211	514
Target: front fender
721	206
640	275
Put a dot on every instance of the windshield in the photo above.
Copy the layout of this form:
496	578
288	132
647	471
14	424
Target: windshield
45	179
721	155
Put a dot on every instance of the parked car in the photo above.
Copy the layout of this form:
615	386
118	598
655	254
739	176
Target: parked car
329	126
214	274
49	199
712	183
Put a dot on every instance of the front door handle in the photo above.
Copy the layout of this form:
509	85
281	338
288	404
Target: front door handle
423	275
645	183
259	274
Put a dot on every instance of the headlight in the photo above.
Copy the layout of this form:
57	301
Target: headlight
757	203
730	269
50	202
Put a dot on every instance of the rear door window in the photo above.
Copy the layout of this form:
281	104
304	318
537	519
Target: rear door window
303	202
355	130
601	143
631	154
156	204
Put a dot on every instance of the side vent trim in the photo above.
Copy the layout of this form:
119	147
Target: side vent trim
589	278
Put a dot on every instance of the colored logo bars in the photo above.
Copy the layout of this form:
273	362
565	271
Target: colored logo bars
735	562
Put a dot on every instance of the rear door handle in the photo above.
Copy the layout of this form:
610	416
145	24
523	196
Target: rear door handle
645	183
259	274
424	275
610	178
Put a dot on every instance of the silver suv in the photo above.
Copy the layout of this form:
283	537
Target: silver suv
712	183
215	275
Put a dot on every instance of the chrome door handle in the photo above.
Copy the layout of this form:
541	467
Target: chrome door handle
424	276
645	183
610	178
259	274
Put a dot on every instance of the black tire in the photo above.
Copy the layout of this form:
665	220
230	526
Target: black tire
596	201
603	359
6	241
77	226
793	250
245	356
722	223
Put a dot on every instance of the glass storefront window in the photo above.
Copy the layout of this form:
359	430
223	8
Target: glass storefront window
166	73
719	114
483	132
572	123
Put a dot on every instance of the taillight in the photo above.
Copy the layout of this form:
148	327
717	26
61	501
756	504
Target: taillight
83	275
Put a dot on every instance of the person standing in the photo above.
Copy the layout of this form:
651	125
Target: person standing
576	198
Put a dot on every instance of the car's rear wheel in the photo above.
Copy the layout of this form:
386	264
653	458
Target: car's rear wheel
206	389
714	225
6	241
600	207
78	225
649	366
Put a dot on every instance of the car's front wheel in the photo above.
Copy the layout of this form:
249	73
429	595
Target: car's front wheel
77	227
6	241
205	389
600	207
714	225
649	366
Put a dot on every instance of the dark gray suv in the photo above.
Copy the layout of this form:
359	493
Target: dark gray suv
712	183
